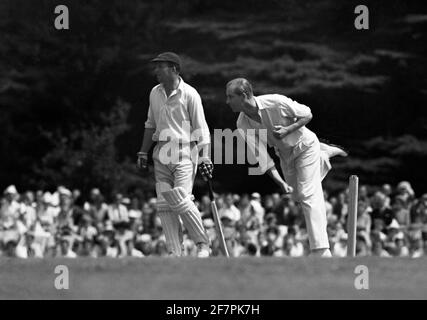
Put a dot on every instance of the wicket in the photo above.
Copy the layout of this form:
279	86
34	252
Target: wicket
352	215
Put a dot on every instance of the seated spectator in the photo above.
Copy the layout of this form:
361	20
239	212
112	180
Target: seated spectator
380	210
291	247
401	250
363	218
268	204
160	248
251	250
400	211
387	191
392	230
363	193
46	212
108	241
270	248
329	208
340	209
404	189
229	210
339	249
96	206
419	211
88	234
66	242
69	216
143	243
28	208
362	248
205	207
256	206
378	249
147	217
118	213
230	233
10	209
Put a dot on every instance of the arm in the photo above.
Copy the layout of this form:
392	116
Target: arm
294	110
274	174
147	141
256	146
199	127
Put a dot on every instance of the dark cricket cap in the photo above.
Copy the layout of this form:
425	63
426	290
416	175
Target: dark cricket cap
168	57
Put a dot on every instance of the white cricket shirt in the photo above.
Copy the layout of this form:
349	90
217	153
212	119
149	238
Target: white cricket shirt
180	116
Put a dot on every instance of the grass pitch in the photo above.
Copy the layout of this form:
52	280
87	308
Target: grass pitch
214	278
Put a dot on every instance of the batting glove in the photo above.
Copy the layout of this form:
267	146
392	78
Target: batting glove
142	162
206	168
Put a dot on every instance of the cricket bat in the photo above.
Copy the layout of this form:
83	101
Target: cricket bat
222	244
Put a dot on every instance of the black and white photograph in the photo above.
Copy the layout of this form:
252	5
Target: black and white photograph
214	156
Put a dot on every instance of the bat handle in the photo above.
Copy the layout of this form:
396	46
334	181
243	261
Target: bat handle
211	194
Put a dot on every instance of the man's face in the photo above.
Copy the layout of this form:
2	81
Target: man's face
234	101
163	71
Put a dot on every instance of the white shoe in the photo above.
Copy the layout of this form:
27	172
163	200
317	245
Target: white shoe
333	150
203	250
323	253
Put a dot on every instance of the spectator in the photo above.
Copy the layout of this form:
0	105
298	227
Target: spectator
143	243
117	212
270	248
340	208
378	248
96	207
160	248
419	212
340	248
292	247
405	190
229	210
362	248
245	207
380	210
387	191
401	211
256	205
401	250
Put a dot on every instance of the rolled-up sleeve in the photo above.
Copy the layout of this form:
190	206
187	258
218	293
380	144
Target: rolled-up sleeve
294	109
199	126
150	123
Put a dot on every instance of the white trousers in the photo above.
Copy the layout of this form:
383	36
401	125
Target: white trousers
304	169
170	176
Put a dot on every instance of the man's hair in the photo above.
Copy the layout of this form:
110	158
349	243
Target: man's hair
241	86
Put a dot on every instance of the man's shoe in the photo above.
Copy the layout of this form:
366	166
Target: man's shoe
333	150
203	250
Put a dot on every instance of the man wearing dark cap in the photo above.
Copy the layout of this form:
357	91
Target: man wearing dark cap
176	122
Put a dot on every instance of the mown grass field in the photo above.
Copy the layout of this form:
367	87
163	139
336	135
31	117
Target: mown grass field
214	279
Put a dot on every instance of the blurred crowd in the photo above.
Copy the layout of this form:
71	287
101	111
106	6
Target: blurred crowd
391	222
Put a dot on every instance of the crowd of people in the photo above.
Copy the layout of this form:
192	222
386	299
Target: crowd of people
391	222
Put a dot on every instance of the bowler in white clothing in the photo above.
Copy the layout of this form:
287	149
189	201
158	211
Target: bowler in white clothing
304	161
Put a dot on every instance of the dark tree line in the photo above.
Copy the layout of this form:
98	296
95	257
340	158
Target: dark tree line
73	102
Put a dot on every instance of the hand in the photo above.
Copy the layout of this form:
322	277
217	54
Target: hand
142	162
206	168
280	132
286	188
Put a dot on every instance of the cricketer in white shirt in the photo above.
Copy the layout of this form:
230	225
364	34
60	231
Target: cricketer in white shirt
303	163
